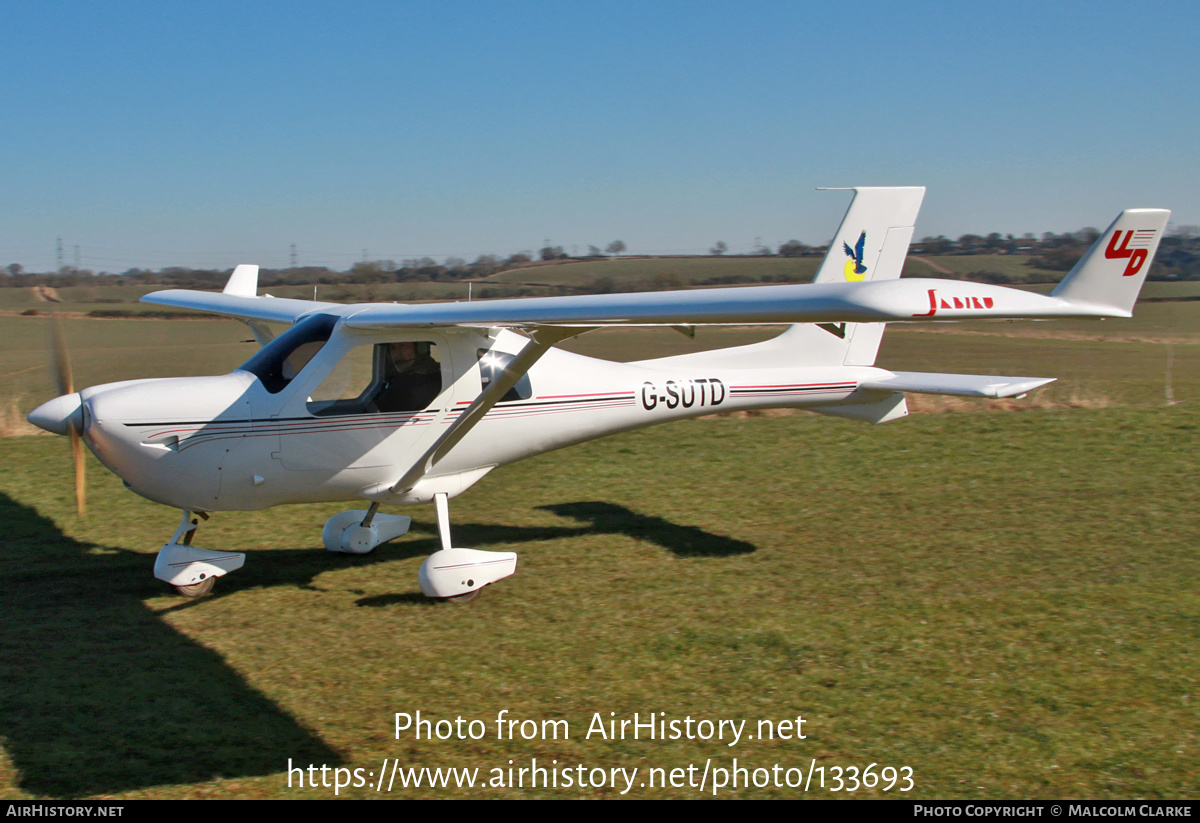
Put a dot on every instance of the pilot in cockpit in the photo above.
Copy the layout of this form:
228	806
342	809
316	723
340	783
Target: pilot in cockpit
412	378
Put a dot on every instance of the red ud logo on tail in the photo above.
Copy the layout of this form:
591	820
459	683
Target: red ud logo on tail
936	303
1130	244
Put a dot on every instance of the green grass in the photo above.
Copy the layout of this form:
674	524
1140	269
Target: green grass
77	299
1181	289
1114	361
1013	266
682	270
1005	603
105	351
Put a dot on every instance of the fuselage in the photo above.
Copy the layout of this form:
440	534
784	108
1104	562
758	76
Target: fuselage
263	436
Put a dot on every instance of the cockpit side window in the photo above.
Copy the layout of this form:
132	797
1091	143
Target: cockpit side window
277	363
491	364
380	379
410	376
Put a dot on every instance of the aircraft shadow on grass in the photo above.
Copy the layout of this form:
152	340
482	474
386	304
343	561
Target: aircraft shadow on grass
99	695
684	541
599	517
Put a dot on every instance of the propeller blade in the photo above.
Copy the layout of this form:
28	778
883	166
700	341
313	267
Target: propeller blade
60	359
80	486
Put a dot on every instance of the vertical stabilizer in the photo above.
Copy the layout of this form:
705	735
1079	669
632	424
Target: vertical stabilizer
243	282
870	244
873	239
1110	276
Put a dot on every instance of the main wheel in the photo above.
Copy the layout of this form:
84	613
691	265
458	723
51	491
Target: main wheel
197	589
465	598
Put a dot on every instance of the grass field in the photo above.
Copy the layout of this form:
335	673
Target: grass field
691	270
1006	603
681	270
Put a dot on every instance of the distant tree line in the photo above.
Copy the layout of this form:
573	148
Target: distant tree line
1178	255
1178	259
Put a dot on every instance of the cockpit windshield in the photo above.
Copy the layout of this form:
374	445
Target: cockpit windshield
282	359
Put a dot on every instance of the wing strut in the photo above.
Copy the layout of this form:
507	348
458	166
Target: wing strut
541	340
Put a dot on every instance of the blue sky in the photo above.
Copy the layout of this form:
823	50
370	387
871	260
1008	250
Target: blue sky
212	133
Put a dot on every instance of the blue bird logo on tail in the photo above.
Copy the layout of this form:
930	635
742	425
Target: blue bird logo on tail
855	270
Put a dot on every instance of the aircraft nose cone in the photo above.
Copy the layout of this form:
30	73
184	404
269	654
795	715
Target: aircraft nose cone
59	415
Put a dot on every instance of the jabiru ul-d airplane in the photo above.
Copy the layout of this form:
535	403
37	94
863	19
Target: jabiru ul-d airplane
393	404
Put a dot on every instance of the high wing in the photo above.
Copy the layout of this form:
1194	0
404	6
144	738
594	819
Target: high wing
269	309
1105	283
240	299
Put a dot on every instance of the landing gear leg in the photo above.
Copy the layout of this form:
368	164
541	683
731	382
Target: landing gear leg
191	569
458	575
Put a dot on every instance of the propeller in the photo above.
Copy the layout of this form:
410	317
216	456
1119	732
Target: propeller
61	367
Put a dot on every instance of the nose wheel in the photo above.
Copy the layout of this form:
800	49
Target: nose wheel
204	586
197	589
465	598
191	570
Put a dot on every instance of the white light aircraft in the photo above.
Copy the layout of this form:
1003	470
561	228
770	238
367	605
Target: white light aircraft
393	404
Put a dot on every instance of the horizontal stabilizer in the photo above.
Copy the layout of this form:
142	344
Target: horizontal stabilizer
964	385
